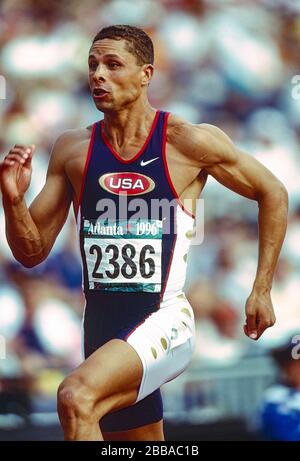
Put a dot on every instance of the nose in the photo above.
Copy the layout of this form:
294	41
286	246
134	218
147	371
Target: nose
99	73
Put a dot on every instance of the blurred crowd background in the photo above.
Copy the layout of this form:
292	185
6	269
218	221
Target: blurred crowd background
233	64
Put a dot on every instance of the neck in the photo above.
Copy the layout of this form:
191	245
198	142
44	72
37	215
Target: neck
129	123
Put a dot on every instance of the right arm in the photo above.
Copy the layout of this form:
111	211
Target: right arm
31	232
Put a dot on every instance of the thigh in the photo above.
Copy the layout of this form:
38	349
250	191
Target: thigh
149	432
113	373
165	342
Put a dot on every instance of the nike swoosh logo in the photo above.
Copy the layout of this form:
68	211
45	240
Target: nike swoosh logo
148	161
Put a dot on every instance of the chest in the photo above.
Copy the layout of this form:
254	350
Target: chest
184	175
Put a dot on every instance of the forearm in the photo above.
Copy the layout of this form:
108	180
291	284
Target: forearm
22	233
272	223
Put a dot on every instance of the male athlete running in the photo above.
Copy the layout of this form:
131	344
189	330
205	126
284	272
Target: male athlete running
138	325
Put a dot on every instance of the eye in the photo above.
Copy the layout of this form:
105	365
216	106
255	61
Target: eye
93	65
113	65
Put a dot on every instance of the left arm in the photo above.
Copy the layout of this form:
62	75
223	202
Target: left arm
246	176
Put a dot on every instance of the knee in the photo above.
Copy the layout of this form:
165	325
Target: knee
75	399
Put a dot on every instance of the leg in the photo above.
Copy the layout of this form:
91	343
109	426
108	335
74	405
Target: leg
150	432
108	380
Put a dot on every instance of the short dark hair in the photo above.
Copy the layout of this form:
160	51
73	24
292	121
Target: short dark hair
138	42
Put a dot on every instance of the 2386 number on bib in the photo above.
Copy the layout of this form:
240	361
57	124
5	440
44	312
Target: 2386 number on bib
124	255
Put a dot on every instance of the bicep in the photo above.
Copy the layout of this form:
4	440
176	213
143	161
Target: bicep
244	175
50	208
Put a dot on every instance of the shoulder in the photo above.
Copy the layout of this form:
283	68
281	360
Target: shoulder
71	137
70	141
203	142
67	145
179	128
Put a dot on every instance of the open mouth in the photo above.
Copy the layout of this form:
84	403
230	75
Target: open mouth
99	93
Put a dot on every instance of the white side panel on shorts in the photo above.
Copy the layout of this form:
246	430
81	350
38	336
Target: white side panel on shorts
177	273
165	344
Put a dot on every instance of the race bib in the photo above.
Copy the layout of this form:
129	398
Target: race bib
123	255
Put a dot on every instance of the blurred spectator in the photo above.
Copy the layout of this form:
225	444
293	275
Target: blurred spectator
280	412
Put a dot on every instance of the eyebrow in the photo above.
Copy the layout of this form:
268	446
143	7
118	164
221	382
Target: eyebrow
109	55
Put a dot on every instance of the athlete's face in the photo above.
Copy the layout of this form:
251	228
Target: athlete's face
116	80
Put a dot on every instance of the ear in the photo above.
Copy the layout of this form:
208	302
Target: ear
147	73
